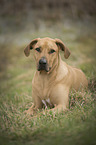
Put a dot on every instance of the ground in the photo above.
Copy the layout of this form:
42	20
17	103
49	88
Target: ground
75	126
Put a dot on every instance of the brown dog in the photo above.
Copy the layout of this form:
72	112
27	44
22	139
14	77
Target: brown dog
53	78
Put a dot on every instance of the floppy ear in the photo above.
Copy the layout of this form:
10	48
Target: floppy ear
30	46
62	46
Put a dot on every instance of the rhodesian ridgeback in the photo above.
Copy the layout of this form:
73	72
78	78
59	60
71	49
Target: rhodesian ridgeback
53	78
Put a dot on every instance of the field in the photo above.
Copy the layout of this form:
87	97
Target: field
75	126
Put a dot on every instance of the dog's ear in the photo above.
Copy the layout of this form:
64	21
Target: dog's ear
30	46
62	46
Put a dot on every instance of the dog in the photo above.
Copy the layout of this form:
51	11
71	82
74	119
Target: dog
53	78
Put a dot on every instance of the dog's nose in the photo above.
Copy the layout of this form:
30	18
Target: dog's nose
43	61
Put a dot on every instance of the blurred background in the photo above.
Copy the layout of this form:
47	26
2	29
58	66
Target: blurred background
72	21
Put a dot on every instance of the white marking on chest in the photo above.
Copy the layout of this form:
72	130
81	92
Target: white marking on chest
46	102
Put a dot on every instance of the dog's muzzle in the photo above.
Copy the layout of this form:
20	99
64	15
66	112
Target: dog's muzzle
43	65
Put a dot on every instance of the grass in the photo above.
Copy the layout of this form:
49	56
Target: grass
75	126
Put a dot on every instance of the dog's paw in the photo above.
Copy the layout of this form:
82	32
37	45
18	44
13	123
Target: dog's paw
28	112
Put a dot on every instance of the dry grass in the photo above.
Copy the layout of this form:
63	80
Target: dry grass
74	126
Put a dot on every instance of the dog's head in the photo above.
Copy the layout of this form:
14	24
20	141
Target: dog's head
46	52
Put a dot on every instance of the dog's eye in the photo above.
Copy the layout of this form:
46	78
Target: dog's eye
38	49
52	51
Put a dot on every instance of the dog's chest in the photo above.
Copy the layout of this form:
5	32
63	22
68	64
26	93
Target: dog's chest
43	85
44	91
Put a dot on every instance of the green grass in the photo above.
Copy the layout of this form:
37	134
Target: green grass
74	126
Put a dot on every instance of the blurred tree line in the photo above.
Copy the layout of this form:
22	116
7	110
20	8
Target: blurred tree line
74	7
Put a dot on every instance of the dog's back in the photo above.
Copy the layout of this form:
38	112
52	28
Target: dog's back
78	78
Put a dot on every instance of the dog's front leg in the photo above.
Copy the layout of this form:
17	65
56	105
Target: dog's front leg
37	104
60	98
59	108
